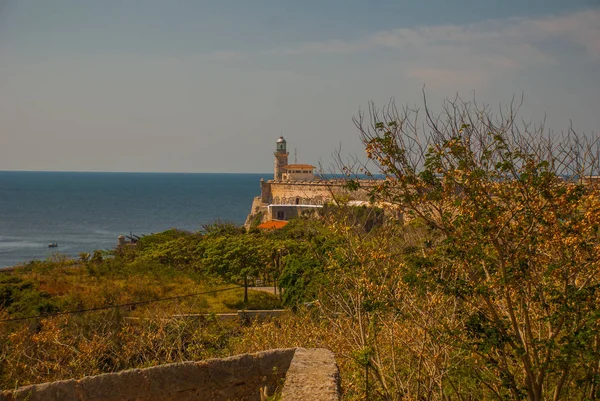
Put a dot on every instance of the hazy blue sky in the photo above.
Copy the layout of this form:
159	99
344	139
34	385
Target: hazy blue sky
208	86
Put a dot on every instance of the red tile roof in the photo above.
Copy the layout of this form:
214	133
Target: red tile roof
272	225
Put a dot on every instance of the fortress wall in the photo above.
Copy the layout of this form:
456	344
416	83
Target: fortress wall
265	191
316	193
306	190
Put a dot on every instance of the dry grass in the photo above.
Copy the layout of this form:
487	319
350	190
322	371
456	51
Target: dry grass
81	344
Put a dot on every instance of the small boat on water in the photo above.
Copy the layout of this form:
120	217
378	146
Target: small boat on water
52	245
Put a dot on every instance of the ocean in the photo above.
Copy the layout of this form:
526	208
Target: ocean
83	212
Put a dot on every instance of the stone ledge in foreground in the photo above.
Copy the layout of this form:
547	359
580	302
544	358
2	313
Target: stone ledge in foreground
306	374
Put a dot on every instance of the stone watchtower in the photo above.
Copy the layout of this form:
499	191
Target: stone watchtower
281	159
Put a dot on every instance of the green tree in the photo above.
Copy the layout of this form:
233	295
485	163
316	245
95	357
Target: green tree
236	258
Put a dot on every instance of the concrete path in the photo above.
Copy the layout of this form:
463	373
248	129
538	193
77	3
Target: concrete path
270	290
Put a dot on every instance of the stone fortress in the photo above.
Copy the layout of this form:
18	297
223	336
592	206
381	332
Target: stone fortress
296	189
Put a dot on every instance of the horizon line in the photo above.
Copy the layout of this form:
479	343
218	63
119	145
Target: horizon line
127	172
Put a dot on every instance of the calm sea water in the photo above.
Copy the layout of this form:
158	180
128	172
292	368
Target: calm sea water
87	211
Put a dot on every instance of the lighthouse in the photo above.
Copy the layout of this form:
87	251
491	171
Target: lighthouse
281	159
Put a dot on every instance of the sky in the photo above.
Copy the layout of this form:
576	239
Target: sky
209	85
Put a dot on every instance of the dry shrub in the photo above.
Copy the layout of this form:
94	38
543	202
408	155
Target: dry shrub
306	329
75	346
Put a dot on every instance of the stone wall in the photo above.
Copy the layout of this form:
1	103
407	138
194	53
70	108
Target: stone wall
265	191
308	192
308	374
302	193
313	375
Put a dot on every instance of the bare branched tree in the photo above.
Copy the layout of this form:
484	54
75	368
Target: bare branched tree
509	281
